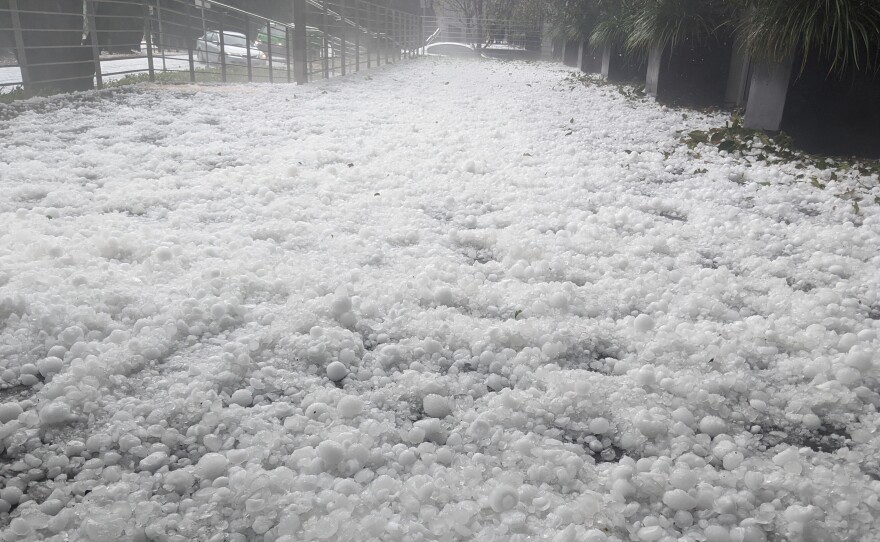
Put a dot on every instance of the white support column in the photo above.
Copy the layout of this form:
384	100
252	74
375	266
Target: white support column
606	62
767	94
652	79
738	78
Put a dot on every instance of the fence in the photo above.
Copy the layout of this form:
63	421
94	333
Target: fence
81	44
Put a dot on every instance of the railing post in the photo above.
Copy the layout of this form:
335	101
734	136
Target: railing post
161	43
148	40
300	43
378	35
269	54
287	51
325	65
368	25
247	40
342	34
96	50
357	36
385	33
421	41
389	18
19	46
221	30
192	62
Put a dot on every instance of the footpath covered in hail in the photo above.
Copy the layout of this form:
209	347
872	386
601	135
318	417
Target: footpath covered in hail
447	300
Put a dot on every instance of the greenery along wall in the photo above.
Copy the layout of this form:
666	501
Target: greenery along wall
846	33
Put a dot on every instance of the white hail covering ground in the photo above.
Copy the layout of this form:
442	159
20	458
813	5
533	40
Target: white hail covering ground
445	301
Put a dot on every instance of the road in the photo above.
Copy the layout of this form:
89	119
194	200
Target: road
112	69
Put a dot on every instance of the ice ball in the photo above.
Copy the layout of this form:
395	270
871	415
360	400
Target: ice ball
350	406
436	406
336	371
503	498
643	323
9	412
212	465
242	398
712	426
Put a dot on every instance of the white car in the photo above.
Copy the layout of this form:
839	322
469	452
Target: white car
235	49
449	48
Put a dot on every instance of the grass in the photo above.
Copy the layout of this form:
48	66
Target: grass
234	74
17	93
847	32
211	74
614	23
632	92
666	23
572	21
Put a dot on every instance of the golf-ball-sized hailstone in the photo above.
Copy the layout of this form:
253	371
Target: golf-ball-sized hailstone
242	398
350	406
212	465
436	406
503	498
643	323
336	371
712	426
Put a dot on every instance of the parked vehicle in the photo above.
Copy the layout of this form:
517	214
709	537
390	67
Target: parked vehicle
449	48
279	47
235	49
278	35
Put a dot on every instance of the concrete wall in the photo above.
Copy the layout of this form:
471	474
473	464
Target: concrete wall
837	114
623	68
767	93
692	74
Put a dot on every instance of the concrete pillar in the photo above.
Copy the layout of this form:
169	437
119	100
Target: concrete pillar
738	78
547	45
300	43
558	46
589	59
652	79
606	62
767	93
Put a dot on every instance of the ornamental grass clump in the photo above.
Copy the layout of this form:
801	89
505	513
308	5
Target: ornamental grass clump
845	32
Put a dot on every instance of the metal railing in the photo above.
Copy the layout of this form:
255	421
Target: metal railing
98	42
